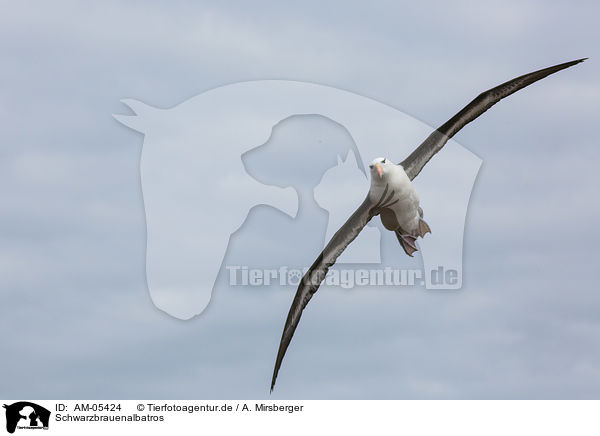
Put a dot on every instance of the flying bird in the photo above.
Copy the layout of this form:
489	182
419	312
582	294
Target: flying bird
393	197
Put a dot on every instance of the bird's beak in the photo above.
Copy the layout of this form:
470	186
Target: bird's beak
379	170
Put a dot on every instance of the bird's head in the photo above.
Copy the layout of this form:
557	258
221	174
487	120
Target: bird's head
379	168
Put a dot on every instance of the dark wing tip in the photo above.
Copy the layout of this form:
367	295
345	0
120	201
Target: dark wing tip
286	338
273	383
570	64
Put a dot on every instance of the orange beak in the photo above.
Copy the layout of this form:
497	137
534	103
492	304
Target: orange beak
379	170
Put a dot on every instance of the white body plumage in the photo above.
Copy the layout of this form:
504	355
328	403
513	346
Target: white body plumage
400	211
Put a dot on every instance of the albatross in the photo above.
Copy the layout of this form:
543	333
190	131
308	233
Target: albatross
393	197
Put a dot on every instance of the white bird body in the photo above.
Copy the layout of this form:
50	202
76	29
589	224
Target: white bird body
402	210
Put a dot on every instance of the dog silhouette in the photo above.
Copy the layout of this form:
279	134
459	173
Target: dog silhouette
32	411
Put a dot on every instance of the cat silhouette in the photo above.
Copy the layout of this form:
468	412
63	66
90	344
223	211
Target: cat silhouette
366	247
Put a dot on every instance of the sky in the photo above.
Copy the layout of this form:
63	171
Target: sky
76	314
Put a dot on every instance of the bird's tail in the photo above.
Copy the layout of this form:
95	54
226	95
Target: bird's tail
423	228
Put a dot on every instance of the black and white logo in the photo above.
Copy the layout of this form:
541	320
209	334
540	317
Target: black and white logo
26	415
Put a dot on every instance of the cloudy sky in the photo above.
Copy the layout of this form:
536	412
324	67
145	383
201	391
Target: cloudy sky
76	314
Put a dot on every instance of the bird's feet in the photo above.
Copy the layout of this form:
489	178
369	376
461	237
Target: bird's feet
408	243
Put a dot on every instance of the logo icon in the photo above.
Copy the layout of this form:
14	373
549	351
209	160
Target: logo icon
26	415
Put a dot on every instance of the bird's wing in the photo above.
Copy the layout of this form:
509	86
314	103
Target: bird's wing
414	163
317	272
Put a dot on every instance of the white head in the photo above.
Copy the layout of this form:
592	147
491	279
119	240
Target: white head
26	412
379	168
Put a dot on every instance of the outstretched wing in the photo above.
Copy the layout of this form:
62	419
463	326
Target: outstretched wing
317	272
414	163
